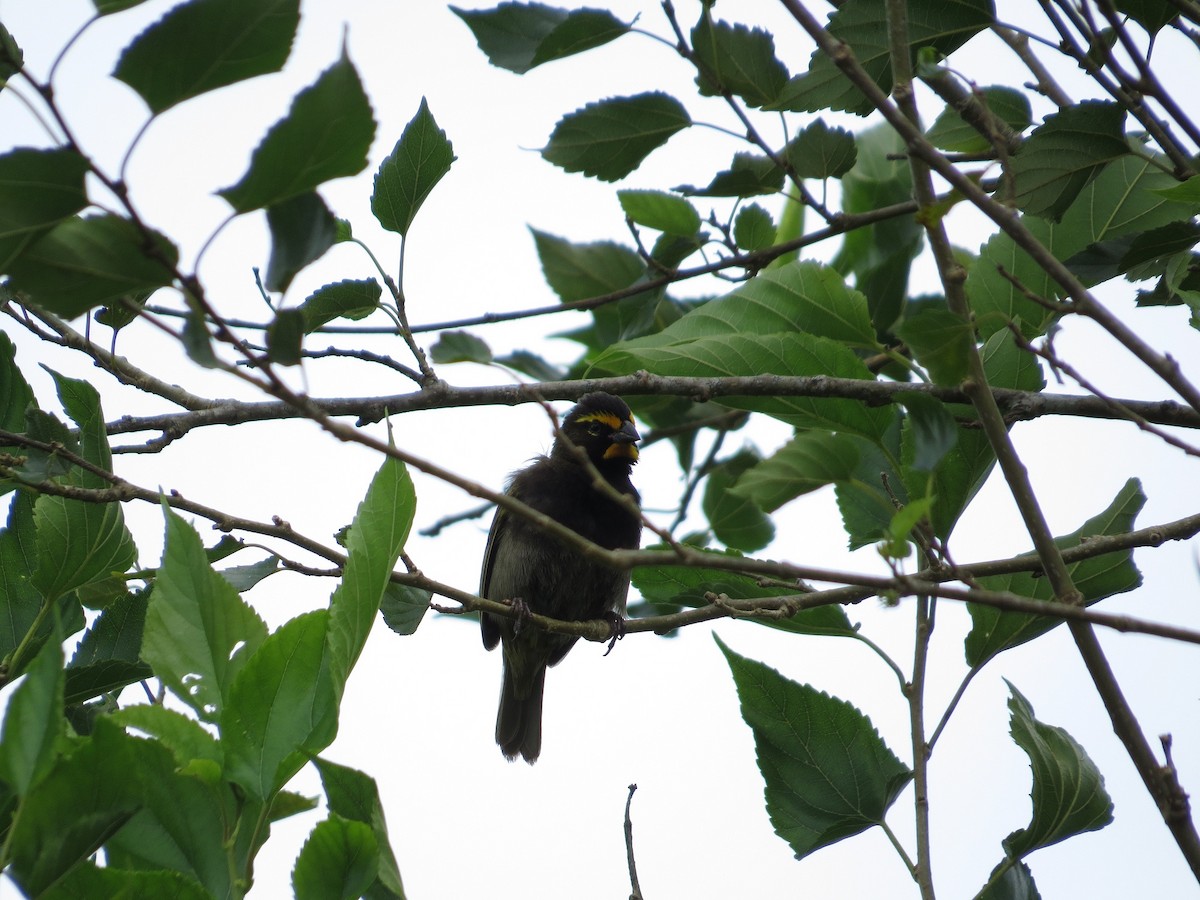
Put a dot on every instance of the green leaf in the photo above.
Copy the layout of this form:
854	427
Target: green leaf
33	722
354	795
791	226
38	189
688	586
45	427
81	542
225	547
108	657
124	311
771	354
82	263
1009	366
195	750
460	346
737	60
96	680
747	176
108	7
282	707
520	36
116	633
420	159
376	537
661	211
796	320
302	229
1068	790
822	152
950	132
337	862
348	299
669	251
1153	15
898	545
1064	153
1182	192
91	880
1122	200
403	607
931	430
940	25
285	335
867	509
582	271
242	578
206	44
1150	251
608	139
75	808
993	631
955	479
736	521
180	825
288	803
1014	883
20	602
808	297
753	229
581	30
16	396
532	365
197	340
11	57
199	632
828	774
325	135
880	256
810	460
940	342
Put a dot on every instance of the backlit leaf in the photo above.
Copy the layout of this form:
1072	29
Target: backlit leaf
206	44
325	135
828	773
608	139
420	159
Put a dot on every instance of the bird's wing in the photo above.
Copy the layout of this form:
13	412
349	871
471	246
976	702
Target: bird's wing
488	626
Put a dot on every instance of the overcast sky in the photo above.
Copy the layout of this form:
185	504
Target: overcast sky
419	711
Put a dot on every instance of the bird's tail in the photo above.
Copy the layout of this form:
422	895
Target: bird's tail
519	721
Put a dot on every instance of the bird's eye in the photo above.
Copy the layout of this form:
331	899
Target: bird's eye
595	428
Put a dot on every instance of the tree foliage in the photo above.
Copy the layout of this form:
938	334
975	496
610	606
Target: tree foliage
900	403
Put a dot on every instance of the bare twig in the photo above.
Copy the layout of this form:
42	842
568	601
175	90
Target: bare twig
635	889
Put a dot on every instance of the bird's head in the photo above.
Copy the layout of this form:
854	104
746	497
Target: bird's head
603	426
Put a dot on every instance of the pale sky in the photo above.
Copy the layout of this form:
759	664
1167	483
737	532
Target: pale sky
419	711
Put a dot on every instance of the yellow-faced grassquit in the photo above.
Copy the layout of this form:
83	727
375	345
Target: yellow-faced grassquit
528	567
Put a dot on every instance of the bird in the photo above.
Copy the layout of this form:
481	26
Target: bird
539	573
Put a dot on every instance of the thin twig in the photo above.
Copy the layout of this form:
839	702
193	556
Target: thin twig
635	888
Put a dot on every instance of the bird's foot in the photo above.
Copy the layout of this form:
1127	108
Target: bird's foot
524	614
616	623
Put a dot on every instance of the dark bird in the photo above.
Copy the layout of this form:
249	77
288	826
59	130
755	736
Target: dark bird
534	571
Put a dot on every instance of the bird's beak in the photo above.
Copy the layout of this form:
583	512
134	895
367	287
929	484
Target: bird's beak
624	442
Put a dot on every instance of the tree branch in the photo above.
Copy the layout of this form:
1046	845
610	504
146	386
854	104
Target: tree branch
1016	405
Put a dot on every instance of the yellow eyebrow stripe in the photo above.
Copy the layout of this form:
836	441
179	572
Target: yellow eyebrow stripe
607	418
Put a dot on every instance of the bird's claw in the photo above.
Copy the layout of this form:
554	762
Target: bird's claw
524	615
616	624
